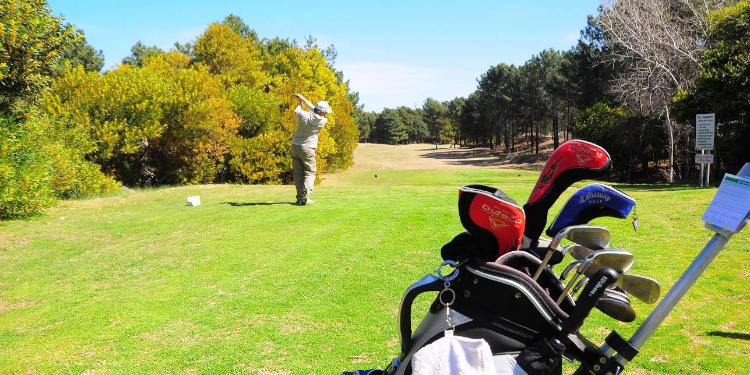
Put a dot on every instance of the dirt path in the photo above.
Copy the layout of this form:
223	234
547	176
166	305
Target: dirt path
424	156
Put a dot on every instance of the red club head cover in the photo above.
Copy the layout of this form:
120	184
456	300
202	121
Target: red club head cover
492	218
573	161
569	157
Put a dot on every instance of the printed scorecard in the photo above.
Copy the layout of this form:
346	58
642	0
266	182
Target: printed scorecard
731	204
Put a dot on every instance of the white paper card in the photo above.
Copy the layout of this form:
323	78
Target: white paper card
730	205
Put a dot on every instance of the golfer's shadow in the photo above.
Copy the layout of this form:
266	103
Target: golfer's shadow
242	204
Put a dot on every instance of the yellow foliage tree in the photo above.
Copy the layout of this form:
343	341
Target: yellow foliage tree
31	40
202	119
227	54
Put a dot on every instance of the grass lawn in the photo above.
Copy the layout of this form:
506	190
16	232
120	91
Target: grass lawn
247	283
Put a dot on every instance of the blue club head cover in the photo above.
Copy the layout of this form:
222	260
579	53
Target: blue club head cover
590	202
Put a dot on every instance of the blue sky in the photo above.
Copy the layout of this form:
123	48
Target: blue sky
393	52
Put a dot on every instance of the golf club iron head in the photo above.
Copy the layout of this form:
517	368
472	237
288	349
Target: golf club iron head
616	305
578	252
570	268
588	235
593	237
590	202
617	259
644	288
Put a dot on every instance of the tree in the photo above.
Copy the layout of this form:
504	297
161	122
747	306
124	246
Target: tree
455	111
416	129
31	41
554	85
657	43
494	89
366	125
587	71
722	86
237	25
139	53
81	53
433	112
531	98
390	128
227	54
471	122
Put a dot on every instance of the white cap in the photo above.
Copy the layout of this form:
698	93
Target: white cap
323	106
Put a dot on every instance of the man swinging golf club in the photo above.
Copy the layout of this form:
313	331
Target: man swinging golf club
304	145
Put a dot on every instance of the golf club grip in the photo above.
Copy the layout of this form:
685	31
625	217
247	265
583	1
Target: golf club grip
594	289
429	283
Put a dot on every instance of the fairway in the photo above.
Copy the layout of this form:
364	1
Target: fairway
247	283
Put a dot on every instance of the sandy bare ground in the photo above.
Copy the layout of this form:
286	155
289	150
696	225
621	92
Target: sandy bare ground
372	156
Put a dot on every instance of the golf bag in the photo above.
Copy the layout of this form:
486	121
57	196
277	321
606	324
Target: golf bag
500	303
495	297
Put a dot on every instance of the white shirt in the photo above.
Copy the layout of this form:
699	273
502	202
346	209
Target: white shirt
308	126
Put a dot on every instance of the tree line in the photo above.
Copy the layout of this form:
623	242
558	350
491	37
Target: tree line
633	83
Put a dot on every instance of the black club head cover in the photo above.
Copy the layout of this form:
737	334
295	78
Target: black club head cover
463	246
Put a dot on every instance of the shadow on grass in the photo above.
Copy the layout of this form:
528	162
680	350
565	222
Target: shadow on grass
731	335
484	157
243	204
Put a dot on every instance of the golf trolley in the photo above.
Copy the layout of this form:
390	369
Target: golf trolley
496	281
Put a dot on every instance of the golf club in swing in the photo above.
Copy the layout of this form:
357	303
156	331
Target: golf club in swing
587	235
267	88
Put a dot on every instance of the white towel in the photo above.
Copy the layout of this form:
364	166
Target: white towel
507	365
454	355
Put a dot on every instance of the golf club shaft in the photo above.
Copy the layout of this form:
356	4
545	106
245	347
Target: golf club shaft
567	287
579	285
270	88
539	270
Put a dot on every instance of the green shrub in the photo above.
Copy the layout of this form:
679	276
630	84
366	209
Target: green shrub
75	177
261	160
25	178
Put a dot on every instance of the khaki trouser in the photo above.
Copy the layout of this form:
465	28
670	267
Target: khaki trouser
303	170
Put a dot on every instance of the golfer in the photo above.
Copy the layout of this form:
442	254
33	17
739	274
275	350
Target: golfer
304	143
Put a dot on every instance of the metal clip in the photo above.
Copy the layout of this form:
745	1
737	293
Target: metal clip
450	276
447	297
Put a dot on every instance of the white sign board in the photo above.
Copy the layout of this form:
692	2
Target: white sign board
704	131
704	158
731	204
